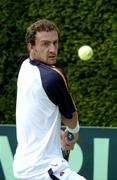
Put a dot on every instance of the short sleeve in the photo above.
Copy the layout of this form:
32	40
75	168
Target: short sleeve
55	86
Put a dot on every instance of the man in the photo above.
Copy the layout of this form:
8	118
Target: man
43	101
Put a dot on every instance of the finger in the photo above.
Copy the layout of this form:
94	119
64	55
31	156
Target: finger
69	146
70	142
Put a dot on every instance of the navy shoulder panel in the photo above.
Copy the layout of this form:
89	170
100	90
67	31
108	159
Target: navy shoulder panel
55	86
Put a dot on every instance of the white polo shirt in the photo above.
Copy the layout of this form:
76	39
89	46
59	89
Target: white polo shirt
42	95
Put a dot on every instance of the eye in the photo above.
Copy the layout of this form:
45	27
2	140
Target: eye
55	43
46	43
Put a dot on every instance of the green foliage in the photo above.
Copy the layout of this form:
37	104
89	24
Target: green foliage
92	83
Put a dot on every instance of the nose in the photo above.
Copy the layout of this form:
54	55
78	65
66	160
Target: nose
52	48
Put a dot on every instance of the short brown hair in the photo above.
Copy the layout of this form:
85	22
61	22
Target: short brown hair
38	26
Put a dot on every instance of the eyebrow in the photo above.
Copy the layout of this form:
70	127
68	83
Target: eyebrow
48	40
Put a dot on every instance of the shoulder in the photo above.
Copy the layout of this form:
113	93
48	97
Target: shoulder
51	74
24	64
26	61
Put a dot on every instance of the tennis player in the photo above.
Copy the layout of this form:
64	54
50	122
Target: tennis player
43	102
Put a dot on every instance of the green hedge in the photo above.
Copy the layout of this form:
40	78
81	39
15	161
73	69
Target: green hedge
92	83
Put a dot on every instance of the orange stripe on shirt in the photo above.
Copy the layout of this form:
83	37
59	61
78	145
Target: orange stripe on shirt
60	73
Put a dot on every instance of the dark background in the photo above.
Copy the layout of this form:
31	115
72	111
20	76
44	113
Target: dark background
93	83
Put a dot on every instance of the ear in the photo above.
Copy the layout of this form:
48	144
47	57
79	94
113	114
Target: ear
29	46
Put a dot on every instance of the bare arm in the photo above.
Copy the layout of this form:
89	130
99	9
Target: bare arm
71	123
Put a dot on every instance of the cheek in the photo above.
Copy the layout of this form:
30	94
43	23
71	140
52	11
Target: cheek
44	54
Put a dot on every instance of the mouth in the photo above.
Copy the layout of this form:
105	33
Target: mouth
53	57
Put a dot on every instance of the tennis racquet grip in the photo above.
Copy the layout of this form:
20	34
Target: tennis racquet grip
70	136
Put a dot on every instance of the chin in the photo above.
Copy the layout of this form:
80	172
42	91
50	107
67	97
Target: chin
52	62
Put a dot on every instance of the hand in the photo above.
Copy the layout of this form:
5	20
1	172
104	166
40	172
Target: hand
68	144
73	141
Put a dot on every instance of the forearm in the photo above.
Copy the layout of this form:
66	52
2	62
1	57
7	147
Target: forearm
73	126
71	123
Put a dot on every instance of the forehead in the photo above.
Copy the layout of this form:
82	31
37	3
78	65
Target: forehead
47	36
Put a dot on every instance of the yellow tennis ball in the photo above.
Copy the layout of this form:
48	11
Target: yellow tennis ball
85	52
